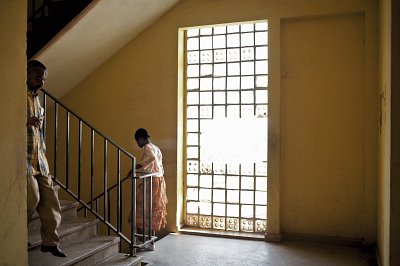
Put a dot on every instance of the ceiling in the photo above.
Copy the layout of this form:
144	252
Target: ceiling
96	34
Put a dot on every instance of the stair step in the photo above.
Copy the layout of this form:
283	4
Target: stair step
122	259
87	252
68	210
70	231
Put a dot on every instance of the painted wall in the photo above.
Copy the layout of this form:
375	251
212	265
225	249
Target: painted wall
138	87
383	199
13	228
395	137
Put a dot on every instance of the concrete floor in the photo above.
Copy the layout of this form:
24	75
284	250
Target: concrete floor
182	250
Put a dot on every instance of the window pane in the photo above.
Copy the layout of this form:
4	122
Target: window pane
247	53
247	96
233	28
206	181
220	55
193	57
219	195
219	97
192	139
192	194
219	70
206	97
261	212
261	67
205	43
192	180
262	81
262	52
247	211
192	152
233	83
192	207
205	208
232	210
246	27
193	84
192	125
261	183
193	98
206	56
219	41
205	70
247	111
192	112
261	197
233	69
219	30
233	55
247	83
232	182
219	84
233	196
233	97
219	209
247	39
261	38
247	182
247	68
192	32
262	26
206	31
205	84
219	181
219	111
193	71
192	166
205	194
233	40
247	197
193	44
233	111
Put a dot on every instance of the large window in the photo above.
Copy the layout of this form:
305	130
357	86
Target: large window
226	127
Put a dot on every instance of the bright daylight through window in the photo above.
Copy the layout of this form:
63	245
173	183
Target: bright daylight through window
227	127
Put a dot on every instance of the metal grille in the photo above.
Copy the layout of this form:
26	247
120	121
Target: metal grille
226	127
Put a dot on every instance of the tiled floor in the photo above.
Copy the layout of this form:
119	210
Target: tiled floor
182	250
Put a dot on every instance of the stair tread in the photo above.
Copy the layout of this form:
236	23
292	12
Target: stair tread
66	227
121	259
75	253
64	204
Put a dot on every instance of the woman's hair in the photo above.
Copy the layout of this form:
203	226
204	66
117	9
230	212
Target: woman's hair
141	132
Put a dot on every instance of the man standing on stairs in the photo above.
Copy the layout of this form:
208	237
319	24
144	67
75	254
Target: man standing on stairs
41	194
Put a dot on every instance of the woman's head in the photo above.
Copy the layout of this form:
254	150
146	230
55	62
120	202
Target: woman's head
142	137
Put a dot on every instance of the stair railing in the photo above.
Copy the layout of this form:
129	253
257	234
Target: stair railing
89	206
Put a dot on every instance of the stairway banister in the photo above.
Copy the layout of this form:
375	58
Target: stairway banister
87	124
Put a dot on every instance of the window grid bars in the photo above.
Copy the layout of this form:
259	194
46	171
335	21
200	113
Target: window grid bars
239	104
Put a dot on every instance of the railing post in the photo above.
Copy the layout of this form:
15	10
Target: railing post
105	180
91	167
55	137
79	159
119	211
44	115
144	209
150	206
67	153
133	210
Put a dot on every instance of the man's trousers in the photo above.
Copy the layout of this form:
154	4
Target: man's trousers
43	198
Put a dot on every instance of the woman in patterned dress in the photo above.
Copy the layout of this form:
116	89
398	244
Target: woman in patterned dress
151	162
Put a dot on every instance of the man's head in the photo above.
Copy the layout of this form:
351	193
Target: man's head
141	137
36	75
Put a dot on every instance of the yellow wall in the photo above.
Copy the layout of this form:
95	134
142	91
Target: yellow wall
324	182
13	228
383	199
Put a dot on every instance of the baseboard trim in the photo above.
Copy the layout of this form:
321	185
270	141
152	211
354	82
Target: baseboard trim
320	239
272	238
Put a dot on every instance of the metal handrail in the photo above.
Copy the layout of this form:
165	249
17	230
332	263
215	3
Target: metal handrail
133	176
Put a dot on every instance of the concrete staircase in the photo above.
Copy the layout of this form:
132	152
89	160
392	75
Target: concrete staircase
79	239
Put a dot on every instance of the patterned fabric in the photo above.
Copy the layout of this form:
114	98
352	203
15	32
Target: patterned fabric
159	208
152	162
36	148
